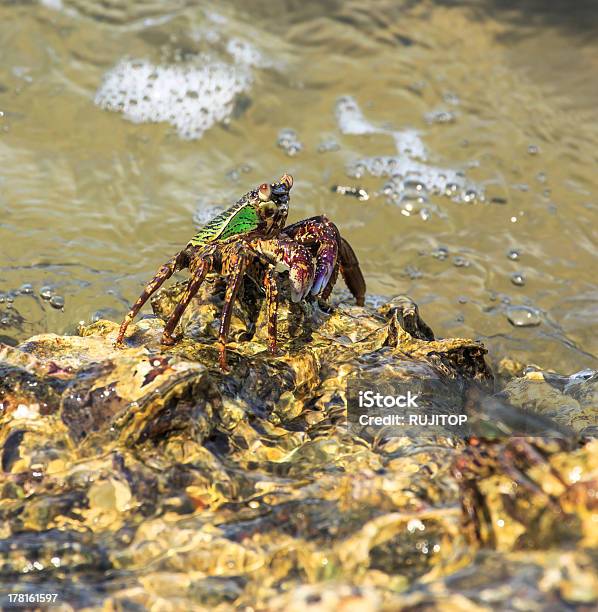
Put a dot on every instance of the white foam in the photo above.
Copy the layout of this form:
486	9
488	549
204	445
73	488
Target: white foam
245	53
55	5
350	119
408	166
408	142
191	97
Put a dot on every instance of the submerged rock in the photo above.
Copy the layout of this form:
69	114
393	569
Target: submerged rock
149	472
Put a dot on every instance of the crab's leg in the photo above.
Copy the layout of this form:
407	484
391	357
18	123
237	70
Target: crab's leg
192	288
348	265
178	262
238	263
330	286
476	513
522	447
272	301
352	274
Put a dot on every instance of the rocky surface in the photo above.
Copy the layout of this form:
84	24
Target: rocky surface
145	478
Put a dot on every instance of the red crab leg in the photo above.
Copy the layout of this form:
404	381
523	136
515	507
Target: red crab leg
189	293
272	301
351	271
178	262
238	265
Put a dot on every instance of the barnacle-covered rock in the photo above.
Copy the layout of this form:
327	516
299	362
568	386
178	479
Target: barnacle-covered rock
570	400
175	486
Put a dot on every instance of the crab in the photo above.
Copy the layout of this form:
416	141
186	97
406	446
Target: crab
252	231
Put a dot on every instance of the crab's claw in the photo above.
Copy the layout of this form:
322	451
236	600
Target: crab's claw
286	254
301	275
301	270
325	264
322	238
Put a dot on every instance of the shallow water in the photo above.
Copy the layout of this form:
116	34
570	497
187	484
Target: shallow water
471	126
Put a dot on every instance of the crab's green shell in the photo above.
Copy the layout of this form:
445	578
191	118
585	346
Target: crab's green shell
238	219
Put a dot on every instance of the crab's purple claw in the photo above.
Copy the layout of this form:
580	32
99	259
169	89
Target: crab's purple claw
287	254
325	263
301	275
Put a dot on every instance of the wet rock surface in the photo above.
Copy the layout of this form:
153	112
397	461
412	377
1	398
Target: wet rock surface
146	478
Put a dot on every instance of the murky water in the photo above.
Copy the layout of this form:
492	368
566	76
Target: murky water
472	127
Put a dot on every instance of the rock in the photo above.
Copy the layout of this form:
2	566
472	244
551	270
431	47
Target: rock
569	400
148	471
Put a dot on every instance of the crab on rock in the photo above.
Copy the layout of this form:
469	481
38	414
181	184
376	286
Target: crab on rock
312	251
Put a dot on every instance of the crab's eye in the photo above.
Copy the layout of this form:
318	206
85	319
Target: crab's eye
265	191
287	180
268	209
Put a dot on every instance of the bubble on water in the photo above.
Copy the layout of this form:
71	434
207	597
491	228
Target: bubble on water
412	272
46	292
408	164
327	146
435	180
533	149
412	206
192	97
451	189
289	142
469	195
106	313
414	185
235	173
358	170
461	262
440	116
450	97
357	192
57	301
440	253
26	289
523	316
514	254
517	278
